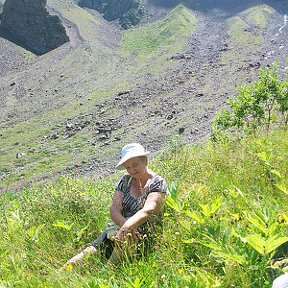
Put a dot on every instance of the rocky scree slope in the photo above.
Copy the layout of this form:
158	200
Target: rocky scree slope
28	24
72	109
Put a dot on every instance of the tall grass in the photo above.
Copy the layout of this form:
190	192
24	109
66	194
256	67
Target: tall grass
225	223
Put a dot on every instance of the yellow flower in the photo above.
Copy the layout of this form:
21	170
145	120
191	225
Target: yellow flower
69	267
154	265
181	271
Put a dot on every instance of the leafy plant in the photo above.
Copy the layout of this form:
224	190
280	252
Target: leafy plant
257	105
265	246
224	224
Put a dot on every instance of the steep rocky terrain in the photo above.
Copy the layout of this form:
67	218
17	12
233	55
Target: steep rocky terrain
128	12
28	24
71	110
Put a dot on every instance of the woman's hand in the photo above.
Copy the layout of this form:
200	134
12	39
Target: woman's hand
127	233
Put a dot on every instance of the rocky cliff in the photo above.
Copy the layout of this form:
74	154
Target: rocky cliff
128	12
28	24
1	7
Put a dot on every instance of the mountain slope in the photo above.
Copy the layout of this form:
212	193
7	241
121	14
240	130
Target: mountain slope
174	29
72	109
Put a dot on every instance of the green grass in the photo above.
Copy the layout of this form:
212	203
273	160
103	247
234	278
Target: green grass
43	157
260	17
227	198
46	157
167	36
246	31
247	28
81	17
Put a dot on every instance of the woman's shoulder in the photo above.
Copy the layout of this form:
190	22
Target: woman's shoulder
158	184
124	183
155	177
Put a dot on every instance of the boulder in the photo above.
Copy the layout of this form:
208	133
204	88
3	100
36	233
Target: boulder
28	23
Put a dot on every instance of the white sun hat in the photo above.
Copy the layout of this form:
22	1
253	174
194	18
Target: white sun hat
130	151
281	281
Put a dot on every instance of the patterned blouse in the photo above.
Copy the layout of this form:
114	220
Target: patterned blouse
132	205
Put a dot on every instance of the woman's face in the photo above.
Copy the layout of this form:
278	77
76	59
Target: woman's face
136	167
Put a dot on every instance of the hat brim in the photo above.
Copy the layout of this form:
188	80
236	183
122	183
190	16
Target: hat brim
120	165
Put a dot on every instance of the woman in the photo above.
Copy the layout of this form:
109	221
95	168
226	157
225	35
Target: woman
282	280
135	208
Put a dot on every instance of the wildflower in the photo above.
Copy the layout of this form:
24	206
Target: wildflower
154	265
69	267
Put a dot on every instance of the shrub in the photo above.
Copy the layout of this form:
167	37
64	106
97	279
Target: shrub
258	105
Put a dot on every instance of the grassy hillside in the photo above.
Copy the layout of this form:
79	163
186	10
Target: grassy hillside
247	29
224	224
255	19
77	86
45	148
149	47
167	36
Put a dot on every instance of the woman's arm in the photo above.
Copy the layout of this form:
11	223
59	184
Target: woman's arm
153	204
116	209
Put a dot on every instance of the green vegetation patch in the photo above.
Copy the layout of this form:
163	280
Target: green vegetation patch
84	21
224	224
164	36
246	29
80	16
260	15
39	148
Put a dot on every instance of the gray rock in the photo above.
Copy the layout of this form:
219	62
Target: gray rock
54	136
123	93
20	155
103	137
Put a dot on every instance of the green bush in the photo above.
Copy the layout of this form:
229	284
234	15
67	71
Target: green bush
258	105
